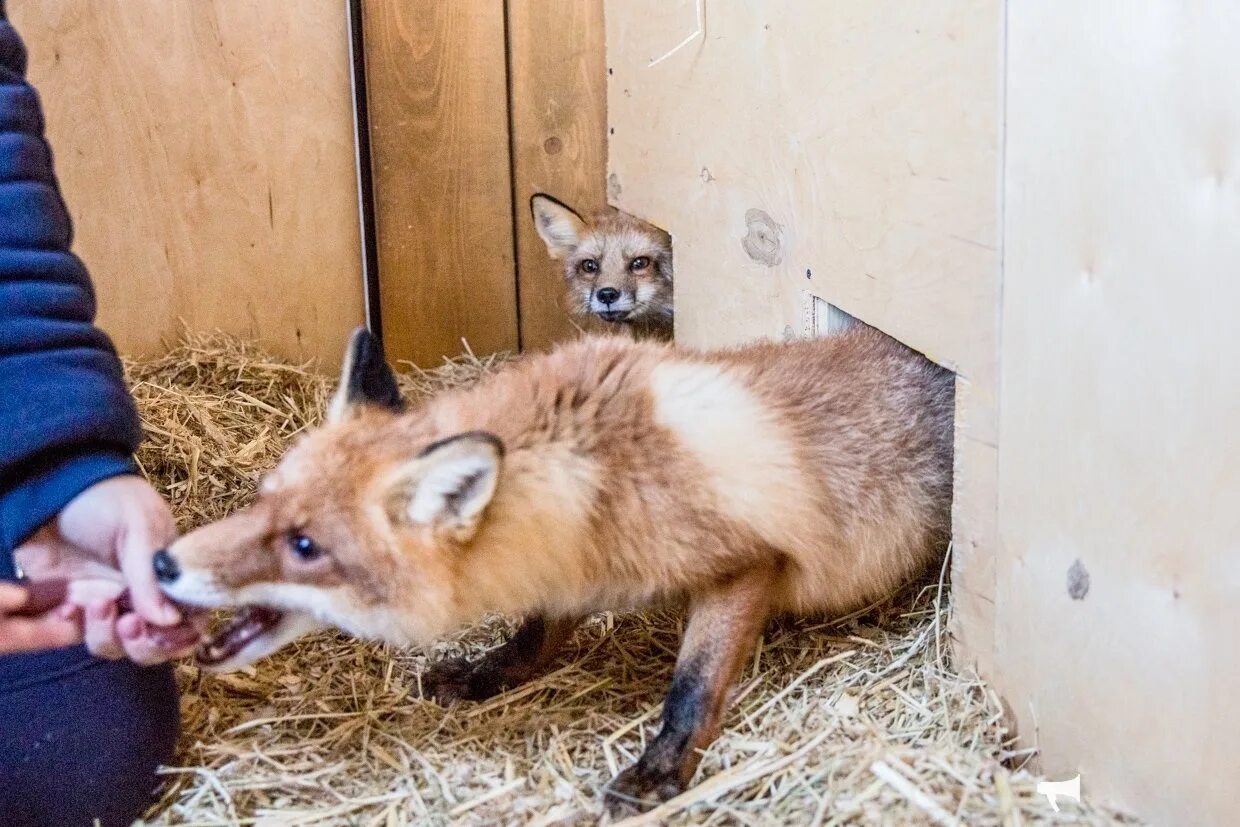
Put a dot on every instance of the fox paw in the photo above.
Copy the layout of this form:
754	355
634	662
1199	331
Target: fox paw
638	789
458	679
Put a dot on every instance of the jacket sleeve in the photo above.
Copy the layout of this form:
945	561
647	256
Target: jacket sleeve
67	420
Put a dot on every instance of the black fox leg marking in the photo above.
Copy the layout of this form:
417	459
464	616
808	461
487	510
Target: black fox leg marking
524	656
723	628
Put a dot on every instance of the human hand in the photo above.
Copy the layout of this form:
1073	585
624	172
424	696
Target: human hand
32	618
103	541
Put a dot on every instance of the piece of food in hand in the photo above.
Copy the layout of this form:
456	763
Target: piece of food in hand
42	596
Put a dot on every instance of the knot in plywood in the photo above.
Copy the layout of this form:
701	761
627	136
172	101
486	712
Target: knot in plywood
1078	581
762	241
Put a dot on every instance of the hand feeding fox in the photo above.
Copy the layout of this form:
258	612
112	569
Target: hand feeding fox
811	477
617	267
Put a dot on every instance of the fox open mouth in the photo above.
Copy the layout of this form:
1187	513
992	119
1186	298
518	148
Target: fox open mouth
247	624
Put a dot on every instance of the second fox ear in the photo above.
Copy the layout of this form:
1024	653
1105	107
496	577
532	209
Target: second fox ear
365	378
559	227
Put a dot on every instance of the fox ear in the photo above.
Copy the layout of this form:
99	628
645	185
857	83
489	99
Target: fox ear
452	482
365	378
559	226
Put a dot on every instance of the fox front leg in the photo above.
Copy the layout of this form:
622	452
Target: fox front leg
523	657
723	627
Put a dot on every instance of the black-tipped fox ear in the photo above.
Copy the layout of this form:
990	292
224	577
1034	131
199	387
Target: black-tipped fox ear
365	378
449	485
557	224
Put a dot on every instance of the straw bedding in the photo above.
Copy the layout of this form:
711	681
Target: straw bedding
855	721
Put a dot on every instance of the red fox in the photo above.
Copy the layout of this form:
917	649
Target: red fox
811	477
617	267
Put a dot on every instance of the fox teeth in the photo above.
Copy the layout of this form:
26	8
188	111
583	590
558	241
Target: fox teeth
245	626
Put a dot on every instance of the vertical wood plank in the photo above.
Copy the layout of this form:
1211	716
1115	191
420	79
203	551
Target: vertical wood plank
443	189
557	67
205	150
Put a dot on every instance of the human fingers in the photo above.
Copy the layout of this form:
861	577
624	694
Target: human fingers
28	634
100	633
138	546
148	645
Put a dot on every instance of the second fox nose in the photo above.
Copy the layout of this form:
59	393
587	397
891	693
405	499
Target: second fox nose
166	569
608	295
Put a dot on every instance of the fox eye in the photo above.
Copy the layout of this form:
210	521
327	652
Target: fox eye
304	548
590	265
639	263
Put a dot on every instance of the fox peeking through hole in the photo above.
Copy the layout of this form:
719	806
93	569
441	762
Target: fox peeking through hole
617	267
811	477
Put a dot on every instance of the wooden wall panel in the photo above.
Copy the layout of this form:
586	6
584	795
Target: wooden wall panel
559	120
1119	504
439	128
205	151
848	151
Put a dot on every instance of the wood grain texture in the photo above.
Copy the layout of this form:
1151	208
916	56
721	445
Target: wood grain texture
559	120
443	190
1119	445
205	151
845	151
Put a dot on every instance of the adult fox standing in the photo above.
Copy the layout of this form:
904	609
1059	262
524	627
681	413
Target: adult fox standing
810	477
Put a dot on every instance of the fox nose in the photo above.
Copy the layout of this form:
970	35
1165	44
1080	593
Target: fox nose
166	569
608	295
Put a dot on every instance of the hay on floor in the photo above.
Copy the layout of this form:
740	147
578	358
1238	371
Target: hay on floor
854	721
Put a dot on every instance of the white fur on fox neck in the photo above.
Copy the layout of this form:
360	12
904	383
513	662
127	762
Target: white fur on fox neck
752	464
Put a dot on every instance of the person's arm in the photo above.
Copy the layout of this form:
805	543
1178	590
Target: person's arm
68	426
66	418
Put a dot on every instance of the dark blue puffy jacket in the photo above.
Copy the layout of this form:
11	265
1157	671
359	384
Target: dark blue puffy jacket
66	418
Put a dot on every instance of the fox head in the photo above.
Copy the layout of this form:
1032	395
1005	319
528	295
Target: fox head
354	528
618	268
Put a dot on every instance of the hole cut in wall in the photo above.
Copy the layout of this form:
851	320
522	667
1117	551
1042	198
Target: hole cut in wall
821	318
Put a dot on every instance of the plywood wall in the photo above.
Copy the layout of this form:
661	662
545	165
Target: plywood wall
803	153
847	151
1119	512
205	151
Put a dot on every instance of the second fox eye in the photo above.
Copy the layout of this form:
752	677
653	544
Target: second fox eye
639	263
589	265
304	548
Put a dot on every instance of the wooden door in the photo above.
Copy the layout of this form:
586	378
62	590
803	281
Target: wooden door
473	106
